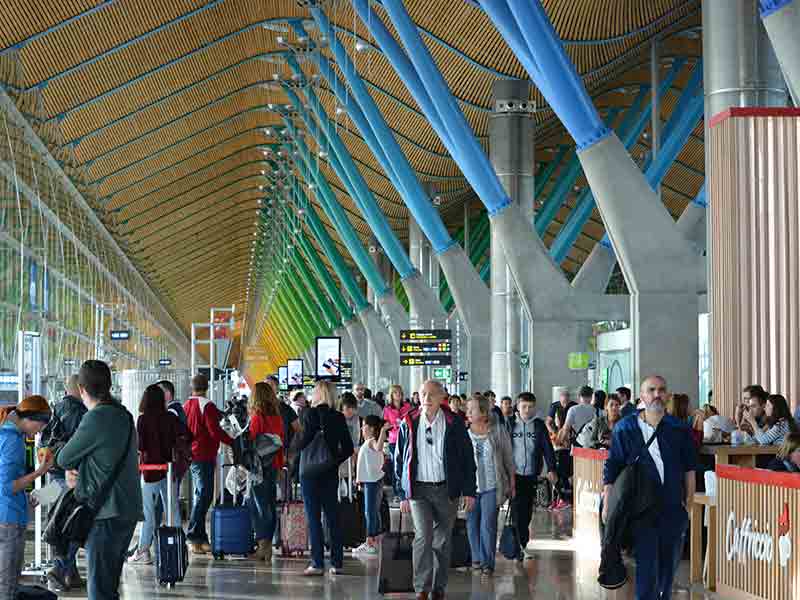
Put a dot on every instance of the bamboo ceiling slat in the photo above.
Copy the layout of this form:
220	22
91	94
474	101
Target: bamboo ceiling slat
20	22
168	125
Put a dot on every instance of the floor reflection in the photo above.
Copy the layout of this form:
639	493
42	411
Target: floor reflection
560	568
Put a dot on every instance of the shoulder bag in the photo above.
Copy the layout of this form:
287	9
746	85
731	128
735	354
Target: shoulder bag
317	459
72	519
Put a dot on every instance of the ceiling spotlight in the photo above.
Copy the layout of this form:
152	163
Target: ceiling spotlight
301	212
339	110
322	154
576	189
361	46
276	76
437	200
280	39
268	131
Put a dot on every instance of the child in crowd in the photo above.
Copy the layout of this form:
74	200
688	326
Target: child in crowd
531	445
350	412
369	474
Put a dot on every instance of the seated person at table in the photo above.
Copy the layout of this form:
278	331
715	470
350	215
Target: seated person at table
678	407
778	423
788	458
753	400
716	427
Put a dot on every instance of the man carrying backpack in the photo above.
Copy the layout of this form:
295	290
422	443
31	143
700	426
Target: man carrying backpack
67	415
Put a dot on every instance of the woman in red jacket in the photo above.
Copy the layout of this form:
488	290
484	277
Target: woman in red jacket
265	419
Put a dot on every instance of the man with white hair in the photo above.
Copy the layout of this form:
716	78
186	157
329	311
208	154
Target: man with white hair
670	461
435	468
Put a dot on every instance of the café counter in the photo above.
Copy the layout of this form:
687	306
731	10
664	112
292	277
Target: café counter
758	526
587	484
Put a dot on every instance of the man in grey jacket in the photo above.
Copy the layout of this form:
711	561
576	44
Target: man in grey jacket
532	448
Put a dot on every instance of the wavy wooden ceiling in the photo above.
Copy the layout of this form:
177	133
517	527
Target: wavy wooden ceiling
157	109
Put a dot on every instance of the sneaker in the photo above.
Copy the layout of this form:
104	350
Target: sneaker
487	571
362	548
312	571
336	570
370	551
561	505
476	566
141	557
56	582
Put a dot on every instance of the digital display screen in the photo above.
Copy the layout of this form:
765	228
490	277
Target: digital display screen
120	334
294	369
164	362
283	379
328	358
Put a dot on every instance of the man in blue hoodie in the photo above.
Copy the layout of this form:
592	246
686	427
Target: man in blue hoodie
532	448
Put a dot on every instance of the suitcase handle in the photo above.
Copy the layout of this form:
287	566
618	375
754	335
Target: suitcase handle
168	468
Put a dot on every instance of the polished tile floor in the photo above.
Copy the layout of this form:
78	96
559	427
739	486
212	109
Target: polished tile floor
560	569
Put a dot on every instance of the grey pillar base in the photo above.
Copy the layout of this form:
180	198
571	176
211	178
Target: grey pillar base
651	252
358	339
544	291
471	297
596	270
386	349
424	306
470	294
665	339
692	226
551	343
782	27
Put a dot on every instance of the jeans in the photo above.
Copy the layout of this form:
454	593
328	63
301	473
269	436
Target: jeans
482	529
151	493
203	483
160	506
658	550
522	508
262	504
12	555
65	557
372	507
319	494
434	515
106	550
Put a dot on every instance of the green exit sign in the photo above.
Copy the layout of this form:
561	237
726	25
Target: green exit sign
578	361
444	373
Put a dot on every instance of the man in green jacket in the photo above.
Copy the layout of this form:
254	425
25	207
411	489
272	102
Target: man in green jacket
89	459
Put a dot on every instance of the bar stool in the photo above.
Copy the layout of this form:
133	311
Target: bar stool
703	571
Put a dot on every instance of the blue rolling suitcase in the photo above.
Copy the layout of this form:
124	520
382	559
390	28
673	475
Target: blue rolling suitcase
231	528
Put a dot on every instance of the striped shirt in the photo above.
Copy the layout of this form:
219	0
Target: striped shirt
773	435
484	460
430	456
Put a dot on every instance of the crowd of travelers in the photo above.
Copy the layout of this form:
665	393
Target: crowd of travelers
433	456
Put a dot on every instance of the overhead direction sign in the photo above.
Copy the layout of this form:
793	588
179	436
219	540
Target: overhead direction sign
425	335
426	360
120	334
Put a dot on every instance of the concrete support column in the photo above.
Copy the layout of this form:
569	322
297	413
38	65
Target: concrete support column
754	228
419	252
358	338
739	69
511	150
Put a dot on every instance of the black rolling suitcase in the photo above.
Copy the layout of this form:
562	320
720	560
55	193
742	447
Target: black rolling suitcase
172	553
396	570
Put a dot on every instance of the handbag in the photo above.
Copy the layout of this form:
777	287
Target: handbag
317	459
509	540
72	519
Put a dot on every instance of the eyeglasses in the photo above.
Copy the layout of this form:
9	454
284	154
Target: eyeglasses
429	436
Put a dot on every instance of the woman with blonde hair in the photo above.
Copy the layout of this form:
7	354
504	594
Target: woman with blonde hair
394	413
494	459
788	457
325	443
265	419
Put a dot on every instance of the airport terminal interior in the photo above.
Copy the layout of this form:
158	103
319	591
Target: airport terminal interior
488	203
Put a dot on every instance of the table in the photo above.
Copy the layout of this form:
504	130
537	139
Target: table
742	456
758	523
